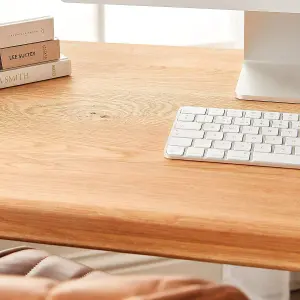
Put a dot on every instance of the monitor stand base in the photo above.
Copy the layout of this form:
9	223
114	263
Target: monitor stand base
269	82
271	70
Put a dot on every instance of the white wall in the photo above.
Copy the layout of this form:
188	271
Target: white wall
167	26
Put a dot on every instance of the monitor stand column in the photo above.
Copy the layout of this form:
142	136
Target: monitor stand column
271	70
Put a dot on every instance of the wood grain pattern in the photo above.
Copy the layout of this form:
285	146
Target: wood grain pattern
82	162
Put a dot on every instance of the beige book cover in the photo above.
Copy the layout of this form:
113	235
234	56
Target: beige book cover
34	73
24	55
26	32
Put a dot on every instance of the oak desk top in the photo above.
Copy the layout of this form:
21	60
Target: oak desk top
82	164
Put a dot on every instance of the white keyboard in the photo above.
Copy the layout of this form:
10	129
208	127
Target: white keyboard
235	136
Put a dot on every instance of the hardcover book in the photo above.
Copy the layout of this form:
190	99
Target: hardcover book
26	32
34	73
18	56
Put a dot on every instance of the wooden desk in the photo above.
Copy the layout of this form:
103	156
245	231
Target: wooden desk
82	162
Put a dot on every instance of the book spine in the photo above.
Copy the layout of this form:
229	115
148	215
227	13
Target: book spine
26	32
35	73
30	54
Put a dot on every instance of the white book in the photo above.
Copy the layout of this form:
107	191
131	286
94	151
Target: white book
34	73
26	32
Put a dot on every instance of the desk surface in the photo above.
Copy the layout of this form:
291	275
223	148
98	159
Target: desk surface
82	162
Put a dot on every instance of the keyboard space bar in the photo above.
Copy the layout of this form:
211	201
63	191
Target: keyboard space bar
280	159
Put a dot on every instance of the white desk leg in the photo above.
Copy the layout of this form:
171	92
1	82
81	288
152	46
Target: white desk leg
259	284
101	23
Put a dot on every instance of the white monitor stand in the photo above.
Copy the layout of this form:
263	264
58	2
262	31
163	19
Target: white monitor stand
271	69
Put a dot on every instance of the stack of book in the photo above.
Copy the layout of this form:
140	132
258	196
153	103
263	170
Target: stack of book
29	52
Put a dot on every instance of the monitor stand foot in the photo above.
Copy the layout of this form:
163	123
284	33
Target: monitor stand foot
269	82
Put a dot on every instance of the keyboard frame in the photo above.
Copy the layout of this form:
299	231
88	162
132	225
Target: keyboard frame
224	160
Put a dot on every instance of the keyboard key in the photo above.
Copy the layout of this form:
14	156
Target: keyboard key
238	155
289	132
269	131
283	149
296	125
272	115
280	124
192	152
292	141
297	150
211	127
223	120
225	145
186	117
274	140
242	121
265	148
214	136
215	153
250	129
253	114
202	143
234	113
234	137
290	117
204	119
252	138
242	146
188	125
193	110
231	128
175	150
183	142
216	112
261	123
276	159
192	134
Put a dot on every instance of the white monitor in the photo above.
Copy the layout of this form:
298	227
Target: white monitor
271	69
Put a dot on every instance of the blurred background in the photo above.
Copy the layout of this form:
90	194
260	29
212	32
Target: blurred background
134	25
